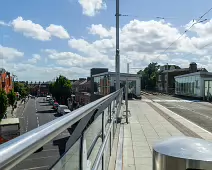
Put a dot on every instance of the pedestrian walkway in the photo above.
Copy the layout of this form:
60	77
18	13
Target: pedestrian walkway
9	110
146	128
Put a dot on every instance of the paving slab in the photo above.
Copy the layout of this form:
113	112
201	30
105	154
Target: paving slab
146	128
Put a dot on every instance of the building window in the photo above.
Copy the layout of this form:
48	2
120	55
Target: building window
197	83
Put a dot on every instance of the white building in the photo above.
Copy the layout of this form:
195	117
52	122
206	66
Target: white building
198	84
105	83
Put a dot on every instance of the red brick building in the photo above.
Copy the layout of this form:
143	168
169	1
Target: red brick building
6	80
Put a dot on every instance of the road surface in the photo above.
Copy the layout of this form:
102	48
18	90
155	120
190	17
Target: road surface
36	113
196	111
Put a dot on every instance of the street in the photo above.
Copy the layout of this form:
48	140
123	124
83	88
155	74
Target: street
196	111
36	113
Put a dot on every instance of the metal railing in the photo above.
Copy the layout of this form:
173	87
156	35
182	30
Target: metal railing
105	110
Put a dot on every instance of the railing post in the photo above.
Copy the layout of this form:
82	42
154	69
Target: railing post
103	137
84	163
110	117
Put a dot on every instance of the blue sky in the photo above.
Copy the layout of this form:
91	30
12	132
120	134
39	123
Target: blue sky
81	48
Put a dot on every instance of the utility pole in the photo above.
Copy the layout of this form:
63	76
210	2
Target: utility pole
117	47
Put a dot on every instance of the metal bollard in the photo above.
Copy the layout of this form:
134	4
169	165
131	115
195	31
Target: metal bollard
182	153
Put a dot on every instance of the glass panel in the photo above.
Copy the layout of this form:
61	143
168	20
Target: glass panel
90	134
71	159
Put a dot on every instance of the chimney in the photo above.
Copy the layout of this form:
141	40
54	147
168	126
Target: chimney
193	67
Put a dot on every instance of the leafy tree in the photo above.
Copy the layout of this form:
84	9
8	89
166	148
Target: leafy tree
22	88
3	103
61	88
12	100
149	76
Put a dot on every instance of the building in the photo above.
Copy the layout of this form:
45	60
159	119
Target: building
34	88
198	84
166	80
76	84
44	88
95	71
6	80
83	95
105	83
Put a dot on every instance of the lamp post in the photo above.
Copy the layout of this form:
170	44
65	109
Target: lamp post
117	47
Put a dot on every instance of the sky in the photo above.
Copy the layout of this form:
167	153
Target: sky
40	40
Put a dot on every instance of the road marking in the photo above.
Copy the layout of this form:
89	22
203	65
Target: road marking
39	167
185	108
27	122
23	111
189	121
38	121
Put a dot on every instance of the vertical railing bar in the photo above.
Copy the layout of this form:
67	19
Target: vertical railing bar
103	137
110	116
81	151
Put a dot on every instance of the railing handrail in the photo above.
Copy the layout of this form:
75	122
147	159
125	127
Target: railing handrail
16	150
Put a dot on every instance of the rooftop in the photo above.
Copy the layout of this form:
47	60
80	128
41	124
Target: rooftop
196	73
114	73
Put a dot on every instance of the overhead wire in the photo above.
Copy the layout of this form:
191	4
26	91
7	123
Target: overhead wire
199	20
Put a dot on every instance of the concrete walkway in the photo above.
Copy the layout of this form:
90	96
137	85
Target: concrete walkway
147	127
9	109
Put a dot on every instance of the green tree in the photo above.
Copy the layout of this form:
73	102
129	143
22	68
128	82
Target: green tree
61	88
12	100
22	88
3	103
149	76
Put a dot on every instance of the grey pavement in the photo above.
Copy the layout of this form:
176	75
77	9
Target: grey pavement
18	109
148	127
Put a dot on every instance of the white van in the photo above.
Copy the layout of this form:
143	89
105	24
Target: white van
61	109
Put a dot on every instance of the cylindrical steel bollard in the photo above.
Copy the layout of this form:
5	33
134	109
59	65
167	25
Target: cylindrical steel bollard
182	153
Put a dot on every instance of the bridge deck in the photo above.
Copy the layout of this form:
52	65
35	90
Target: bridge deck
150	122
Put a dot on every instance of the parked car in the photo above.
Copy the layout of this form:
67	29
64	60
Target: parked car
48	97
65	111
55	106
61	108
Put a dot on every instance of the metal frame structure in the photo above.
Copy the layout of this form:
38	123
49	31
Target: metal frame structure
18	149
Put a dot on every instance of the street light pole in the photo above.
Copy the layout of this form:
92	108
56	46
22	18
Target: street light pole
117	47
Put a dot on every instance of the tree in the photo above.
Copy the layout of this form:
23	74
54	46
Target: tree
22	88
61	88
12	100
3	103
149	76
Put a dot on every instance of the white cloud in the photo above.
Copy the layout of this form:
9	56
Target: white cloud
4	23
36	31
30	29
92	7
43	73
8	53
70	59
34	59
142	42
58	31
101	31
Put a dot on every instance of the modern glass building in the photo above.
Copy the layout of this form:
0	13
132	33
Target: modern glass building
105	83
192	84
